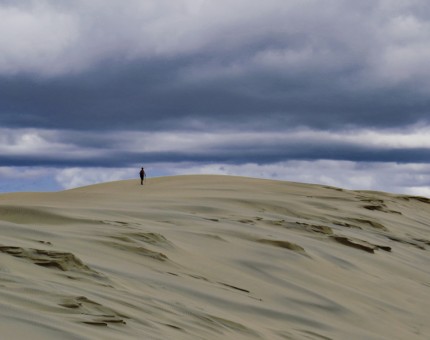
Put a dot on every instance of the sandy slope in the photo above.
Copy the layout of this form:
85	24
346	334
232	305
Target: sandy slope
214	257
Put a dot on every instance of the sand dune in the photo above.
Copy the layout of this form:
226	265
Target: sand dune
214	257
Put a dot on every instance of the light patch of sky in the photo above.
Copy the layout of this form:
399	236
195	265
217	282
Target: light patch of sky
40	39
17	179
41	142
199	141
77	177
390	177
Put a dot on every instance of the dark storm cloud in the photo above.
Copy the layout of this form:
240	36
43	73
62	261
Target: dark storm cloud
152	95
324	64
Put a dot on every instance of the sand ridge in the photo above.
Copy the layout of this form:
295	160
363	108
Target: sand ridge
209	257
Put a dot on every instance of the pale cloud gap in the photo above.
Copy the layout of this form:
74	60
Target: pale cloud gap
14	179
390	177
50	143
71	144
9	173
397	178
78	177
411	179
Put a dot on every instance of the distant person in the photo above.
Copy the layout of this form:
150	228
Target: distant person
142	176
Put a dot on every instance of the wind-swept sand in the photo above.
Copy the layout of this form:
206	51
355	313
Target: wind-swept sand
214	257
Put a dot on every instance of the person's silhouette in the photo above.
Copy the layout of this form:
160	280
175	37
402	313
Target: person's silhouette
142	176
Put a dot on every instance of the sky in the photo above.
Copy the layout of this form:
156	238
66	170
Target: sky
333	92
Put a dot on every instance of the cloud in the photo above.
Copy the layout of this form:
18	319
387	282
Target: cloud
29	145
191	64
111	84
391	177
77	177
129	148
38	39
324	37
410	178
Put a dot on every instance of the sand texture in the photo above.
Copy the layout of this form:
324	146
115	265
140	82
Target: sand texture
214	257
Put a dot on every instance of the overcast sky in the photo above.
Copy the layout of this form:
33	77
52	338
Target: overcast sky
334	92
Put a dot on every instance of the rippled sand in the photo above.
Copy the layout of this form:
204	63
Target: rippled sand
214	257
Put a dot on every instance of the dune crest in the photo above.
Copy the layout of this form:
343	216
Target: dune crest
210	257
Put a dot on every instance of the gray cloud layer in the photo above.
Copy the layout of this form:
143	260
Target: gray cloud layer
93	79
26	147
154	64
